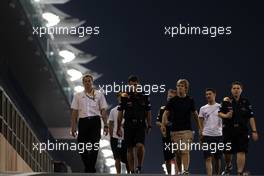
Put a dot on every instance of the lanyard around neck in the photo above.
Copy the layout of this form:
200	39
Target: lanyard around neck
93	95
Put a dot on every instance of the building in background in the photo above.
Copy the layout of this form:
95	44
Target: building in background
38	76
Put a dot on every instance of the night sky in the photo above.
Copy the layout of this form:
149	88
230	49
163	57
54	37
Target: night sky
132	41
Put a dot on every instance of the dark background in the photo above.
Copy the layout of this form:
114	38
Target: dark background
132	41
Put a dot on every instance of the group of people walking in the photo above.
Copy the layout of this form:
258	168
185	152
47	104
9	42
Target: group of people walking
130	121
225	123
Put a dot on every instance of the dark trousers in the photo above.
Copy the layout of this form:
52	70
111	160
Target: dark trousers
89	131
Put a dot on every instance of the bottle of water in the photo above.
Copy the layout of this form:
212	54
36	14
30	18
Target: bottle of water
119	143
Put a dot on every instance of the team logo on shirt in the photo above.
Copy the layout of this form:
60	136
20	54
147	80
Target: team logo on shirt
129	103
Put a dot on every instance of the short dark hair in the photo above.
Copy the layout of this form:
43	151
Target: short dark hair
237	83
133	78
87	76
210	89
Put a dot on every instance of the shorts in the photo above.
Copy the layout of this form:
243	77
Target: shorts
213	149
167	154
182	137
134	135
119	153
237	137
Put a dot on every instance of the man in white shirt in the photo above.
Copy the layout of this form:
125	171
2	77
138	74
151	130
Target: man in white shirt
118	144
211	125
89	106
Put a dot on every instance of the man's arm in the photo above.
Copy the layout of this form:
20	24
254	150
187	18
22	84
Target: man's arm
121	109
164	122
227	115
195	116
159	120
165	116
201	122
253	128
148	112
111	127
148	117
104	117
159	116
253	124
74	118
224	111
199	125
158	124
119	122
201	119
103	109
111	122
119	119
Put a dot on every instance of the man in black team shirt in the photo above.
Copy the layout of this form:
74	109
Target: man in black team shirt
182	109
136	107
236	113
166	138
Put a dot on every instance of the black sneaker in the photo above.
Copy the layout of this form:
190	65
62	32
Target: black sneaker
138	170
227	170
185	172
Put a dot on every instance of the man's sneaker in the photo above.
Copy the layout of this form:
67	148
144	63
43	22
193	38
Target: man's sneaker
246	173
131	172
138	170
185	172
227	170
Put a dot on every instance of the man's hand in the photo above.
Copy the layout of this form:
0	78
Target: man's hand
111	132
119	132
229	114
163	130
104	117
73	132
74	118
148	130
158	124
105	130
255	136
